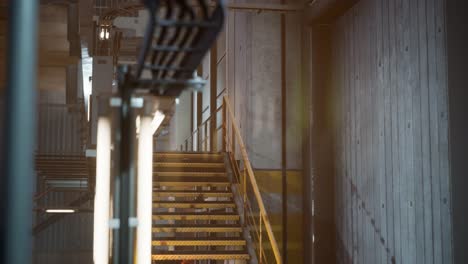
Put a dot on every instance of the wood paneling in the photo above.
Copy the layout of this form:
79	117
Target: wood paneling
53	47
389	108
52	78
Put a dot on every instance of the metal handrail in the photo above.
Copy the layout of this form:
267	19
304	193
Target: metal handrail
245	177
229	120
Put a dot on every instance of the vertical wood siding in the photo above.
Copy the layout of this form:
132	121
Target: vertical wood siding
390	109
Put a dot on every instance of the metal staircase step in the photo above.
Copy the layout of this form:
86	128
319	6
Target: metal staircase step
188	156
172	154
199	241
197	216
188	174
190	182
200	228
188	165
200	255
191	193
194	204
189	178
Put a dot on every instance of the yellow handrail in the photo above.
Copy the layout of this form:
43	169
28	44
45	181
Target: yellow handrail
253	181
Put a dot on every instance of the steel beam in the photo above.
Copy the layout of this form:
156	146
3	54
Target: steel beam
124	195
20	132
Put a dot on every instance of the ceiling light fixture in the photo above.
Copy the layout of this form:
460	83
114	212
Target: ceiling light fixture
60	211
102	34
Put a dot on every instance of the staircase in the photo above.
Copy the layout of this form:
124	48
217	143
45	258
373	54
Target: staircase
194	213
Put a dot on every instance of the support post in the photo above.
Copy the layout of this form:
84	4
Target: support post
213	96
102	191
199	138
145	190
206	136
17	186
124	197
224	125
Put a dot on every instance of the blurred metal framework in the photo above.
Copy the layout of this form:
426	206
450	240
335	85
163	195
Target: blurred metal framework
177	38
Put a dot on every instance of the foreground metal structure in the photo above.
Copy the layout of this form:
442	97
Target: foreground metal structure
177	38
20	133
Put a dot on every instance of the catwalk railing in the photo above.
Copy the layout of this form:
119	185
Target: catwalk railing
253	213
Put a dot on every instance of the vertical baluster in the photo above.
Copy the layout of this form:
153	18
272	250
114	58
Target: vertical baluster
198	139
206	136
224	136
233	140
244	188
260	246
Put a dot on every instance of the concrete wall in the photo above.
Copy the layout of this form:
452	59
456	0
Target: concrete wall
254	83
389	112
253	77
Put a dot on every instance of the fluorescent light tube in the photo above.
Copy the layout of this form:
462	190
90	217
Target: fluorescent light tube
60	211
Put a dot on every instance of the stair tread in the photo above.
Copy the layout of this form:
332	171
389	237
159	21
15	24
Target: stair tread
193	191
189	164
197	238
193	205
199	255
197	225
197	229
191	183
188	178
188	153
196	213
188	174
191	194
195	252
219	216
195	243
193	202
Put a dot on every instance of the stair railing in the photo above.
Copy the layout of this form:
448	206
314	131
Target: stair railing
199	140
254	215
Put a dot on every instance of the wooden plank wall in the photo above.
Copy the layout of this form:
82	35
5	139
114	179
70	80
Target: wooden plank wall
390	114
